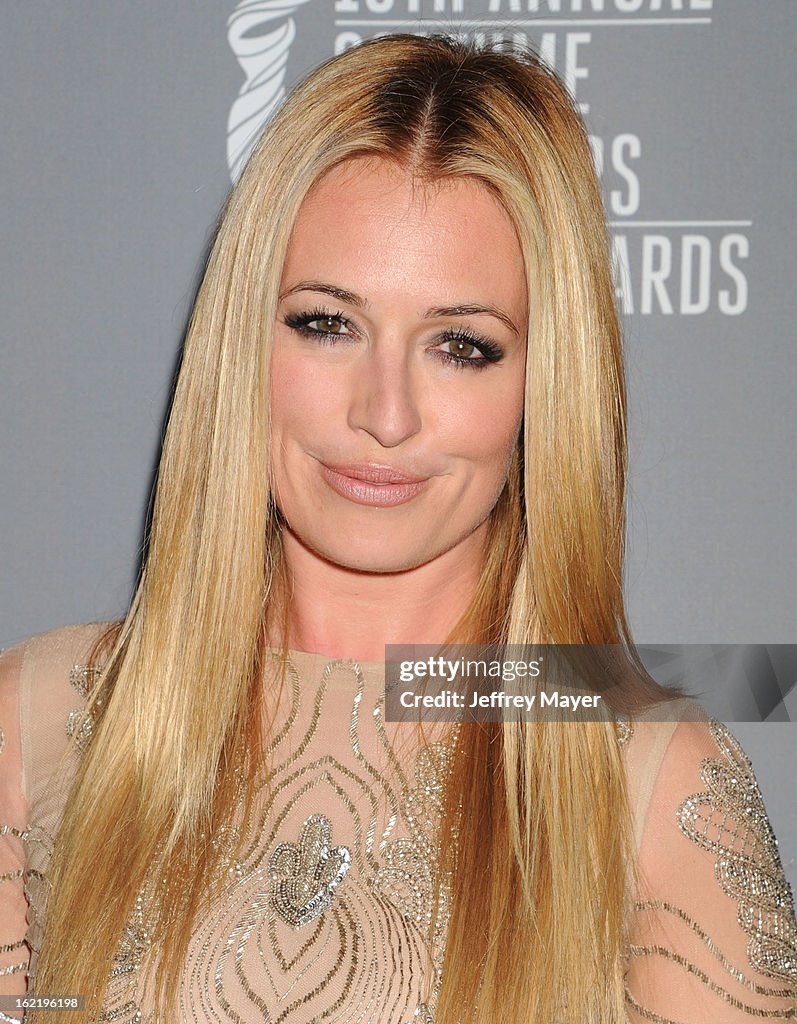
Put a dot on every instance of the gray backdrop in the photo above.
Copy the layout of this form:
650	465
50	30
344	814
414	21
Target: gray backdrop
116	159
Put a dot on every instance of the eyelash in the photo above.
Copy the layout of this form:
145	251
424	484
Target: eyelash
490	352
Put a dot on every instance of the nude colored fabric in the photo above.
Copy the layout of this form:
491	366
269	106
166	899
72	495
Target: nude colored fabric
325	914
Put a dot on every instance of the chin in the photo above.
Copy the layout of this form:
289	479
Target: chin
375	559
373	554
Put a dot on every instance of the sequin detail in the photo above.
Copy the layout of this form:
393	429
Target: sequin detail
624	730
729	819
716	952
306	928
306	874
365	957
80	722
422	1015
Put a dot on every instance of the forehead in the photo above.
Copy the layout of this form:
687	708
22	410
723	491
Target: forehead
373	220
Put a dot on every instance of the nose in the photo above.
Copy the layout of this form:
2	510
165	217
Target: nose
383	396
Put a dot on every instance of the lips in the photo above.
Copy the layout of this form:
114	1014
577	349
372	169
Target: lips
371	484
375	474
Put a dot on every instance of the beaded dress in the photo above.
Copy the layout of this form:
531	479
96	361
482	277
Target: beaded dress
325	913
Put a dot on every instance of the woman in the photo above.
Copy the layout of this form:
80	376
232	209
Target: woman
399	418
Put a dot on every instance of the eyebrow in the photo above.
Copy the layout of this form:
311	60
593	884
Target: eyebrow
461	309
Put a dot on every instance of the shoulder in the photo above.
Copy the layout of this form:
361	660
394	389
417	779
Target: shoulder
678	757
46	661
49	667
713	928
689	778
706	793
44	682
677	732
57	645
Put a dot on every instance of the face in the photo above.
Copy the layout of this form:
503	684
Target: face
398	367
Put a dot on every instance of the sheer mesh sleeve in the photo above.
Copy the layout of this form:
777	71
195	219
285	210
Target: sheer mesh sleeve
713	936
14	952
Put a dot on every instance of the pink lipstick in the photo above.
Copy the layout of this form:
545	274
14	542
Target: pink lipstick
368	484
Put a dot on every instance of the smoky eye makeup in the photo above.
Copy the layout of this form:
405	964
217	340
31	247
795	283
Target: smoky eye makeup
460	347
331	324
467	348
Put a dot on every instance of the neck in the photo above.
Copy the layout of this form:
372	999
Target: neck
347	613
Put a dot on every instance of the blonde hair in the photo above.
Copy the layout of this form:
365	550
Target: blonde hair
551	858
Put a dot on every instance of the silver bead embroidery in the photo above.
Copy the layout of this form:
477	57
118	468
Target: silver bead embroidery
624	729
12	947
729	819
80	722
364	952
399	865
306	875
422	1015
84	677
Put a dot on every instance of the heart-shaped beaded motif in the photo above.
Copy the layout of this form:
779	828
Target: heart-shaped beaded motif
305	875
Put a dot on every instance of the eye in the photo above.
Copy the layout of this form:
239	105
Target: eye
328	324
318	323
462	348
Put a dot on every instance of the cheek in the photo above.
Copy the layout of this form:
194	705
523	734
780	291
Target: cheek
301	398
484	428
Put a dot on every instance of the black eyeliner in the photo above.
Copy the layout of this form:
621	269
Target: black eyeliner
489	352
300	322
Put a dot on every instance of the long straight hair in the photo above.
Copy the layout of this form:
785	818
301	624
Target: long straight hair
540	886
